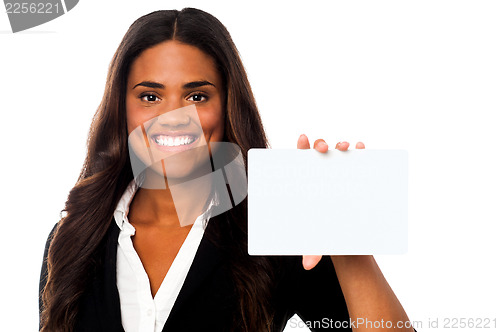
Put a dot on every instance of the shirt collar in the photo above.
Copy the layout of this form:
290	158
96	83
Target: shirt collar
123	205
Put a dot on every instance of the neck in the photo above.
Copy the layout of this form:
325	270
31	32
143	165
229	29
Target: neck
172	206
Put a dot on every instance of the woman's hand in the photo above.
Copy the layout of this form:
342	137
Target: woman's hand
320	145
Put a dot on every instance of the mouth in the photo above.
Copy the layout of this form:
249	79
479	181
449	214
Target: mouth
174	141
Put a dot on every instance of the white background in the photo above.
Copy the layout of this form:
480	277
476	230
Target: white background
422	76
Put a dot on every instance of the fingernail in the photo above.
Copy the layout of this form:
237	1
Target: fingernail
322	144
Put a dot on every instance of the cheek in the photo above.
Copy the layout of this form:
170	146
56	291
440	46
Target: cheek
212	123
129	111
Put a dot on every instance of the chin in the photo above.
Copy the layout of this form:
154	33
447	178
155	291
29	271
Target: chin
175	172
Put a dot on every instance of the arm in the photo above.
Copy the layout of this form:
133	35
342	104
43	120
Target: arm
368	295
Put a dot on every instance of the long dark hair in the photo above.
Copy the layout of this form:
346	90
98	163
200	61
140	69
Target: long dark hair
107	171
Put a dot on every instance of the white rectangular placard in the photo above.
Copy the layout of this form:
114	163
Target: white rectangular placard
303	202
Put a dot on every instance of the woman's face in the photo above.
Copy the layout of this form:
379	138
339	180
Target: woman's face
164	78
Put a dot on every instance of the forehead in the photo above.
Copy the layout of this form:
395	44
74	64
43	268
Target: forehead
173	63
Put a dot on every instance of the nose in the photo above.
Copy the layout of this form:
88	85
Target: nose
175	117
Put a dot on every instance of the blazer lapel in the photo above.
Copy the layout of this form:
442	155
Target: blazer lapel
207	258
107	298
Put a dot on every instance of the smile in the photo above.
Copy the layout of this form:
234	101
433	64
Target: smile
164	140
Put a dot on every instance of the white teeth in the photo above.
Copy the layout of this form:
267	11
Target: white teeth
173	140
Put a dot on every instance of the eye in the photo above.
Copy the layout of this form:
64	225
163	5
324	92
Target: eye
149	97
198	97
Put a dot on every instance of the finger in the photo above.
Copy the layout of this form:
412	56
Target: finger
320	145
310	261
342	146
360	145
303	142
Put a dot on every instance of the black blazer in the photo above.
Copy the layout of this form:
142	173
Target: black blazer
206	301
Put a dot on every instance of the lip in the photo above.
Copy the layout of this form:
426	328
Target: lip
152	139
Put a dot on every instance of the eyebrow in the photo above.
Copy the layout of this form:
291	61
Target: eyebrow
190	85
197	84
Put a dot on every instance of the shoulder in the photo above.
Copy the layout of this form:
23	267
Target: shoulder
52	233
48	242
44	271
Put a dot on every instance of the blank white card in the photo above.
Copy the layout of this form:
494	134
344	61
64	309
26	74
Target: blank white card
303	202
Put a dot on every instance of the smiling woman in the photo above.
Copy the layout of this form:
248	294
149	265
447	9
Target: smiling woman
121	260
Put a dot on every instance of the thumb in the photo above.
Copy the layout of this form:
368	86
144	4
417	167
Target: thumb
310	261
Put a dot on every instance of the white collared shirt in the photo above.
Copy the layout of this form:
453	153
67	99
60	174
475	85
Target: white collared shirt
139	310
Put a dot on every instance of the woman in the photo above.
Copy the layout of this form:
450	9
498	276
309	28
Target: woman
121	259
